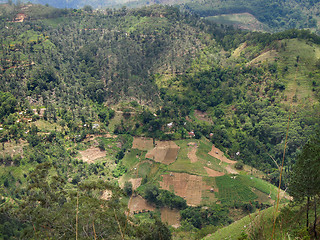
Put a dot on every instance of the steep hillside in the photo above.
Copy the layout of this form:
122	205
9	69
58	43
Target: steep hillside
153	110
254	15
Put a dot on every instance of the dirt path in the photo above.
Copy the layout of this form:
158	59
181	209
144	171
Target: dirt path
192	150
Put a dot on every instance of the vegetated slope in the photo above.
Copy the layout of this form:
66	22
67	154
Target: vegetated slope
60	71
277	16
106	56
289	224
72	3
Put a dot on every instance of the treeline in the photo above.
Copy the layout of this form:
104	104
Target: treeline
277	15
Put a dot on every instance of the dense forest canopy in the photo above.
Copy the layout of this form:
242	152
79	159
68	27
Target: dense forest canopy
276	16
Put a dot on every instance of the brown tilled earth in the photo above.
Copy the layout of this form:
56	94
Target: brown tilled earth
185	185
215	152
92	154
136	182
142	143
170	216
213	173
138	204
165	152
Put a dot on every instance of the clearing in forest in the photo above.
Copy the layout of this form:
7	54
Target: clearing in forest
184	185
142	143
170	216
92	154
215	152
269	56
165	152
138	204
203	116
106	195
136	182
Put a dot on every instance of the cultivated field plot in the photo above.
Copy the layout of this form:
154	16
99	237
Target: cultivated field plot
213	173
184	185
215	152
136	182
232	190
209	191
138	204
165	152
170	216
200	157
92	154
142	143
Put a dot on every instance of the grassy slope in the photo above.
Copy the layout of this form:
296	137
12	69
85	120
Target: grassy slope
263	219
308	54
241	20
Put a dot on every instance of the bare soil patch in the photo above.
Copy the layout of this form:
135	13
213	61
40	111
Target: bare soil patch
138	204
215	152
92	154
12	149
106	195
203	116
170	216
213	173
192	152
230	170
136	182
165	152
142	143
184	185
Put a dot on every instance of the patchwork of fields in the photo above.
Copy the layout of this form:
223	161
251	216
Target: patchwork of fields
193	169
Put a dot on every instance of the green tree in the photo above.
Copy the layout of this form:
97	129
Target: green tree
128	188
305	180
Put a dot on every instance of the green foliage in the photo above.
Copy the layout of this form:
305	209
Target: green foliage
200	217
127	188
231	190
305	179
8	104
163	198
277	15
119	170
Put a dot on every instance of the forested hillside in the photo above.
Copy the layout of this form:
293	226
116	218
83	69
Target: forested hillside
274	16
81	89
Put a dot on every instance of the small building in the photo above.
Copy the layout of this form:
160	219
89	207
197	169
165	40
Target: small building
191	134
